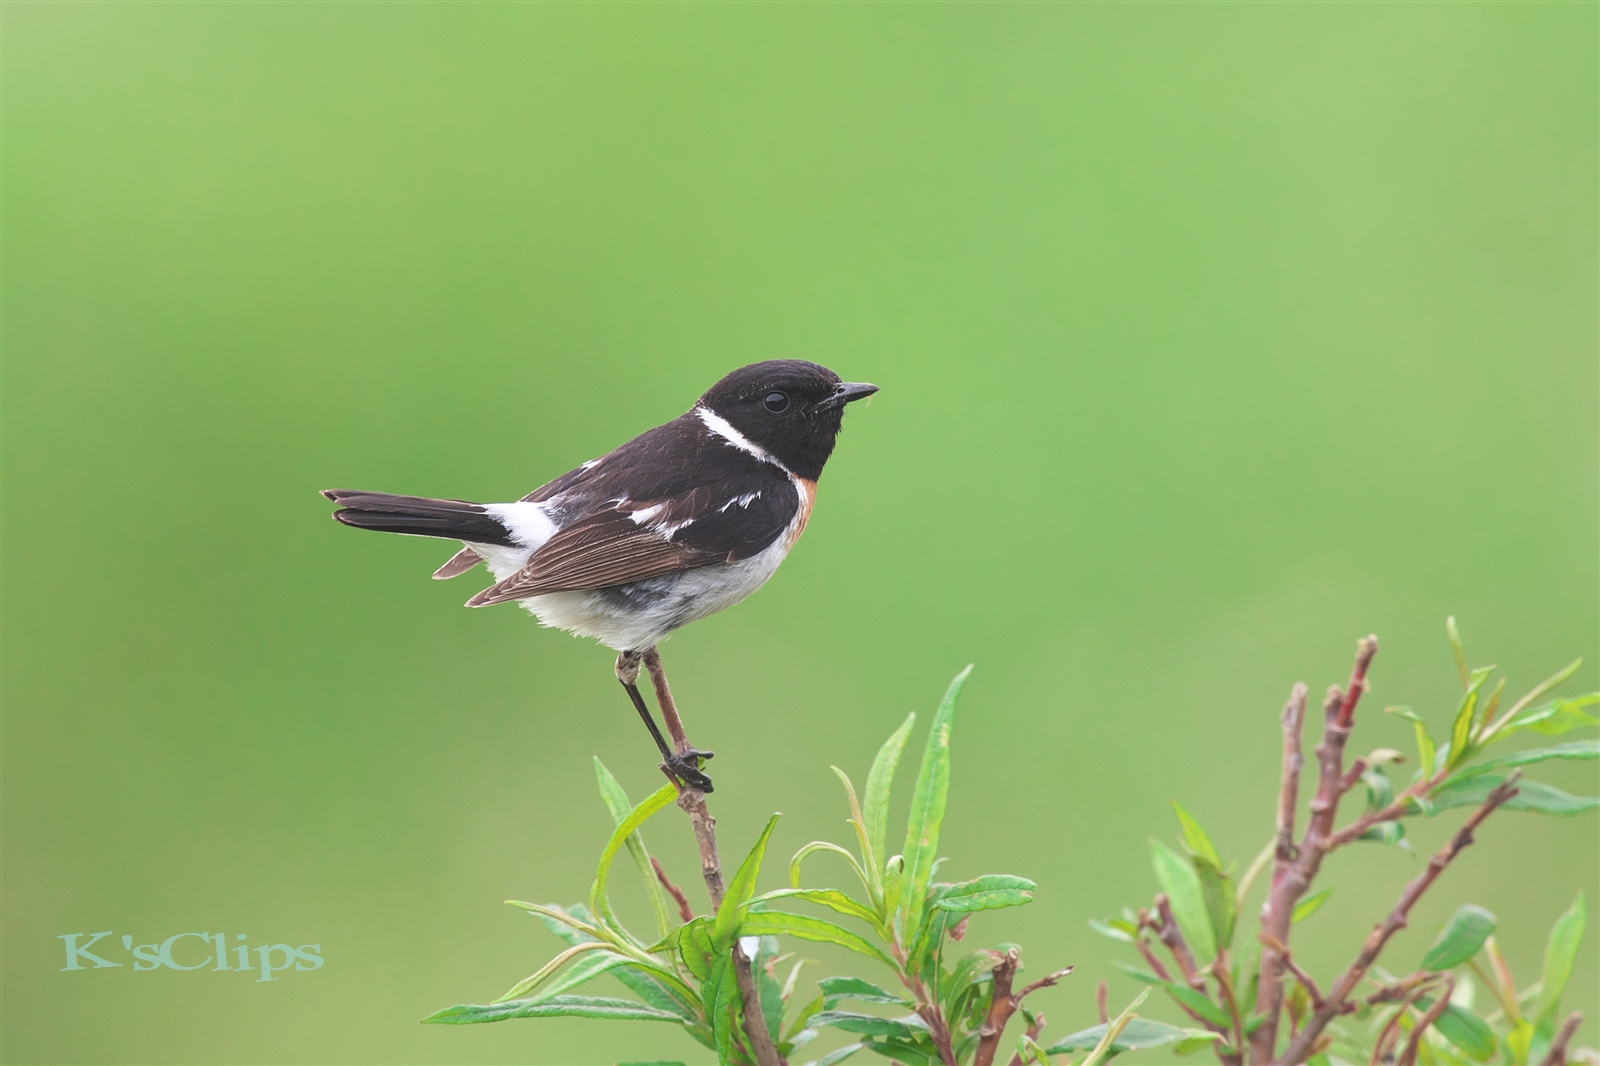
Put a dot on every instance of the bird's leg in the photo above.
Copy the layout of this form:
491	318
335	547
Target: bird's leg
684	769
686	755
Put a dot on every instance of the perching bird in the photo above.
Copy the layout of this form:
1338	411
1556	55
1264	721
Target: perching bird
676	524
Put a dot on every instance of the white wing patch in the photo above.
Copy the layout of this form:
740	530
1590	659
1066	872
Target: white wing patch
741	501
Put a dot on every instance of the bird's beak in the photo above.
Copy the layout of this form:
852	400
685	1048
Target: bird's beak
845	392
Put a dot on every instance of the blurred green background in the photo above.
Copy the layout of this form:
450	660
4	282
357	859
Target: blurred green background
1211	338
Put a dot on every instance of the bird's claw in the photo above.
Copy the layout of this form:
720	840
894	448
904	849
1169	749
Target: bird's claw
685	766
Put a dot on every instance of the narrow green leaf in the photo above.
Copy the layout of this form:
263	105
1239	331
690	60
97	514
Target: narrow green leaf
1114	928
880	780
1194	836
1575	749
1559	953
1195	1001
831	898
924	1054
1140	1034
987	893
1506	723
1222	909
1379	792
1179	881
1138	973
598	901
1531	796
572	924
1425	747
739	891
836	990
867	1024
1464	1029
1460	938
1518	1039
1461	730
783	923
1558	716
718	993
557	1007
823	845
1103	1050
927	806
1458	650
1308	906
548	970
616	800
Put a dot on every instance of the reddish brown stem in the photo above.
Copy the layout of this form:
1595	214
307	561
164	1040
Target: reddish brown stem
1306	980
1102	1001
1173	939
1391	1030
1003	1003
1558	1046
685	911
693	803
1291	878
1347	982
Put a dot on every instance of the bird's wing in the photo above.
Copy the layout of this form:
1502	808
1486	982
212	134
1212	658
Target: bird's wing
730	514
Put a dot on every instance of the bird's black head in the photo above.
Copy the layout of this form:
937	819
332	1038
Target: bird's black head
789	408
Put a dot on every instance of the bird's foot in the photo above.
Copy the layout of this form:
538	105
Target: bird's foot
685	766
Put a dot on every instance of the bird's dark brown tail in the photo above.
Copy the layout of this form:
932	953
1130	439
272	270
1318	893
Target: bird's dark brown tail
418	516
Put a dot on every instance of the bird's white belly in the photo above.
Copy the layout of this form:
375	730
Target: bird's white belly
636	616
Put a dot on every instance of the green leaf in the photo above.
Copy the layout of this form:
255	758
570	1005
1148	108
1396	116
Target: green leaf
1461	731
1559	953
867	1024
1195	1001
1379	792
1116	929
1140	1034
880	779
1508	720
1557	716
927	806
1384	833
1182	886
719	993
1222	909
739	891
782	923
831	898
1458	650
1425	748
556	1007
987	893
1518	1039
836	990
1531	796
823	845
1460	938
907	1054
1308	906
548	970
617	803
1194	836
1573	749
696	947
598	902
1464	1029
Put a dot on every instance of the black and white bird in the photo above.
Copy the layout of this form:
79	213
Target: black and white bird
680	522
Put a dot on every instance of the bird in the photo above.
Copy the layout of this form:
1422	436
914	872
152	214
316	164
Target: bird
682	521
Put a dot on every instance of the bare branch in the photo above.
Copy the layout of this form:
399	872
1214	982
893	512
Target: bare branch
1003	1003
1102	1001
1558	1046
1391	1029
1396	920
1292	876
1294	714
1306	980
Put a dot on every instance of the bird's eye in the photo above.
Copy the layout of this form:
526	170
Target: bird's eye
776	402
